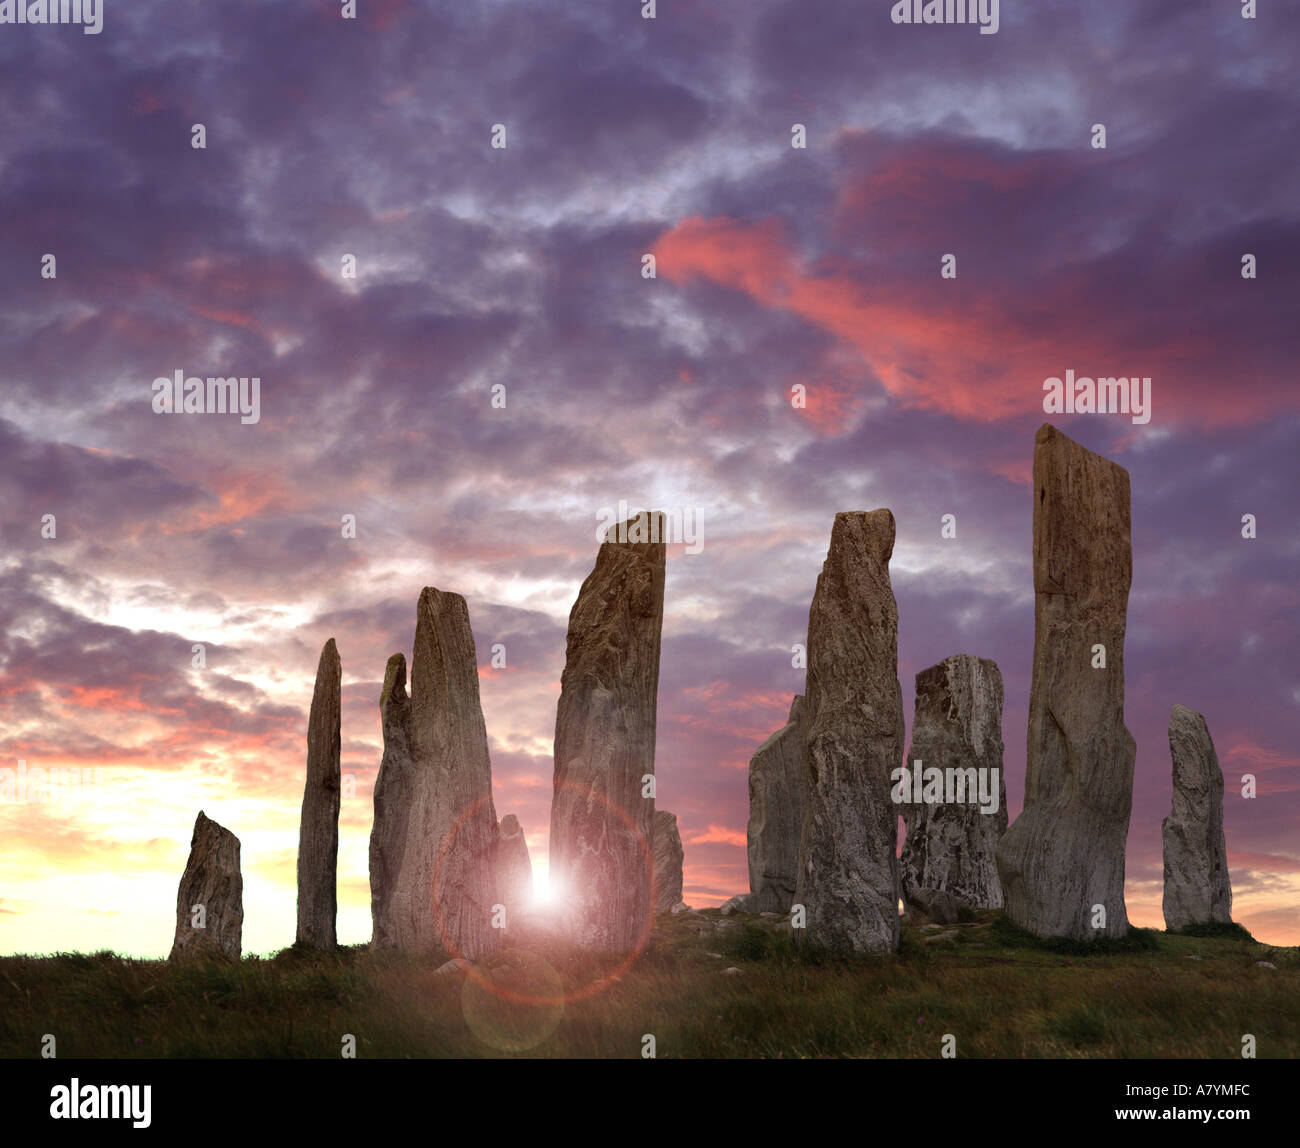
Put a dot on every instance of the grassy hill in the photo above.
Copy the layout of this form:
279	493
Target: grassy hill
705	987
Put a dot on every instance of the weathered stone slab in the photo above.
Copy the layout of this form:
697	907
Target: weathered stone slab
318	832
957	740
601	820
210	900
433	845
776	810
1197	886
1064	854
668	854
853	728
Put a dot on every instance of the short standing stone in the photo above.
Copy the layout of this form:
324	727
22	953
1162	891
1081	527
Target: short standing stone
776	807
514	870
602	809
1062	859
1197	887
956	735
318	833
210	901
668	862
853	728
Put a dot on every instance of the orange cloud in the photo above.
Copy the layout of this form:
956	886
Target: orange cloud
719	834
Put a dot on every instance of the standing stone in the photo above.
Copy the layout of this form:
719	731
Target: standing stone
776	809
210	900
393	789
318	832
601	815
668	862
1197	888
433	845
514	870
1064	855
951	847
853	728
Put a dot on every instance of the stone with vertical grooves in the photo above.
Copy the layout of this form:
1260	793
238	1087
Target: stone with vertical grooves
1064	854
776	808
601	824
318	832
1197	886
212	879
951	847
433	845
669	854
853	741
514	871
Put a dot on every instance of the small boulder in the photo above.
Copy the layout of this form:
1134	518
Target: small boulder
740	903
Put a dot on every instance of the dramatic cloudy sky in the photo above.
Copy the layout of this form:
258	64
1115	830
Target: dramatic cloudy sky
522	267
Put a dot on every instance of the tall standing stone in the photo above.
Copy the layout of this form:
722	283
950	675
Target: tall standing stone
1197	887
514	870
210	900
433	845
669	855
776	810
951	846
601	817
318	832
1064	855
853	727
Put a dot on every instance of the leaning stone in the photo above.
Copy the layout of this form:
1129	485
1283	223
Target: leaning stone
1063	857
601	813
1197	886
210	900
455	965
957	730
318	833
776	809
668	854
853	731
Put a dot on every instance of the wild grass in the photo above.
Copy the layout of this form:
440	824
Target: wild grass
996	992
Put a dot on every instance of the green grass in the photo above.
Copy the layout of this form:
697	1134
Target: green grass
999	995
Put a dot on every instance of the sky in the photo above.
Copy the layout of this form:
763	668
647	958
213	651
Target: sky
797	353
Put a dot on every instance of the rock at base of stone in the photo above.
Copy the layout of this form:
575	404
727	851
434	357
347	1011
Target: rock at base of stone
210	900
740	903
1197	886
933	906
